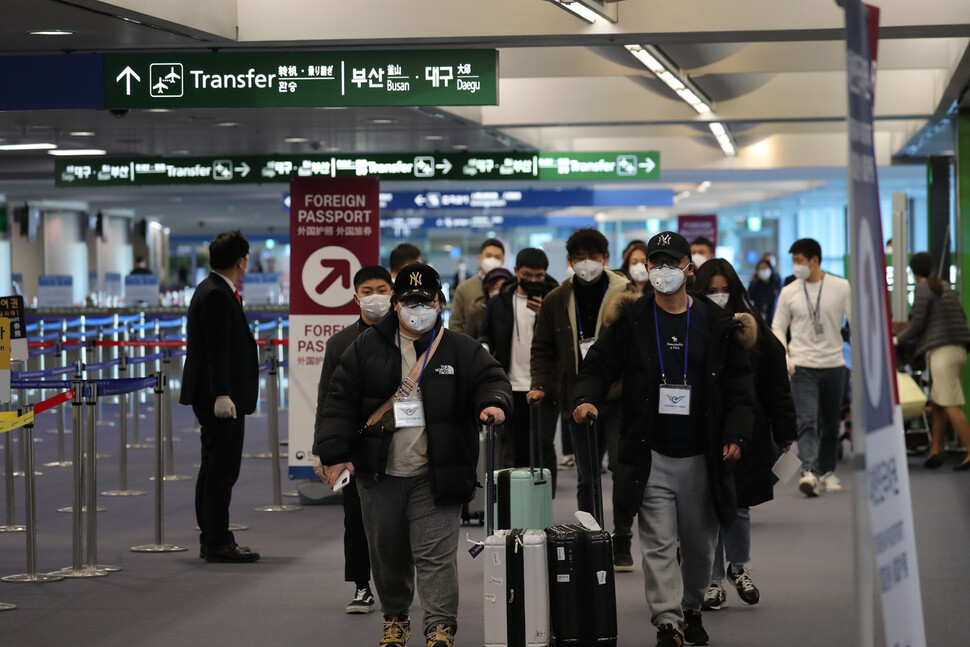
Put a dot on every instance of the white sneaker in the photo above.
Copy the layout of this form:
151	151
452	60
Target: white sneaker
808	484
830	482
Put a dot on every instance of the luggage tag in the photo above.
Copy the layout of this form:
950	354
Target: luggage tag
408	412
585	345
675	399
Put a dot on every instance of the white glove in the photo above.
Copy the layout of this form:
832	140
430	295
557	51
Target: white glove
224	407
791	364
318	469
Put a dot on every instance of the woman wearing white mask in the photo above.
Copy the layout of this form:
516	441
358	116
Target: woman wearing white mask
774	429
635	265
764	289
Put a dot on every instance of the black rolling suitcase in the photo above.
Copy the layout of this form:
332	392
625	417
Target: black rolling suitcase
582	592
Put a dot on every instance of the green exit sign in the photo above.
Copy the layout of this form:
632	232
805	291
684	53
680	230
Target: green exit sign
301	79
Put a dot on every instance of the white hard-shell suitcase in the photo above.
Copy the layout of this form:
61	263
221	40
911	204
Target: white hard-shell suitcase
516	589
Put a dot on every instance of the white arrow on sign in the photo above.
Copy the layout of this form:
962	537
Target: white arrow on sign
243	169
420	200
127	74
648	165
444	167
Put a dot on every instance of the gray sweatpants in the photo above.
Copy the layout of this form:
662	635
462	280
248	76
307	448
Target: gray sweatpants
677	507
409	535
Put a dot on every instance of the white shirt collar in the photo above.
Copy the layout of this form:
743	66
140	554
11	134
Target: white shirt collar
226	279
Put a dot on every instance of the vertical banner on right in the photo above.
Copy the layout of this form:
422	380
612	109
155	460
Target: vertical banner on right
875	404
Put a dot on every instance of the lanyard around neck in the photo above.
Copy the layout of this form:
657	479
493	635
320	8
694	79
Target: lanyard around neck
579	317
818	301
425	364
660	355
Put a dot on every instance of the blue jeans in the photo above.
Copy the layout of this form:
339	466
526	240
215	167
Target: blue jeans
410	539
734	542
818	394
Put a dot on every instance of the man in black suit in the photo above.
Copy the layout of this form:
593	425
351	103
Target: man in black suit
221	382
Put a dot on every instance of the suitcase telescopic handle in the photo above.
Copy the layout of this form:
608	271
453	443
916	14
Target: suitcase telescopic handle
595	467
489	431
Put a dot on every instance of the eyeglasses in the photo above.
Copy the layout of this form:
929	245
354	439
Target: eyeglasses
417	301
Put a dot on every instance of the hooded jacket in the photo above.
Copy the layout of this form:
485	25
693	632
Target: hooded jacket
627	349
774	413
460	380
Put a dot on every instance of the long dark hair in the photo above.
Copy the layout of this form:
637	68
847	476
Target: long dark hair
923	266
738	300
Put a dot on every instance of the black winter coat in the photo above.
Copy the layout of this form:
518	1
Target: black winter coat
774	414
498	325
460	380
627	349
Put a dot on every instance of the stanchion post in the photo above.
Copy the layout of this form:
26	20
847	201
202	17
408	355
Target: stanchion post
159	546
30	505
91	482
274	440
11	525
170	474
123	437
77	568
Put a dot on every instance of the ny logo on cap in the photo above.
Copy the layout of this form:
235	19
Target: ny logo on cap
415	278
665	239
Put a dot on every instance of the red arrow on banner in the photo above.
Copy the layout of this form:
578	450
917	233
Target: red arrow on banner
340	270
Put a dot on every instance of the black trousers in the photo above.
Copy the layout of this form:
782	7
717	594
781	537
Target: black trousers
356	554
222	444
514	435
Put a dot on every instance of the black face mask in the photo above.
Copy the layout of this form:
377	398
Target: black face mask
535	289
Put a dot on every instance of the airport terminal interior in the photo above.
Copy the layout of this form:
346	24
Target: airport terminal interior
133	132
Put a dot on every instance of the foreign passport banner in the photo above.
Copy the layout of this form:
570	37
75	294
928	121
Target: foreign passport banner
875	403
334	232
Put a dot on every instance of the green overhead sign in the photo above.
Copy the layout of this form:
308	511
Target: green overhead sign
258	169
301	79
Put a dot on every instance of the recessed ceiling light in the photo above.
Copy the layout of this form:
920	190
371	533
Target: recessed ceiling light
332	149
50	32
158	110
433	138
27	147
181	151
226	124
82	133
86	152
296	140
383	121
460	147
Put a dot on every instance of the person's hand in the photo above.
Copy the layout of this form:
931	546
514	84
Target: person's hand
583	410
319	469
784	448
224	408
535	396
331	472
732	452
899	326
495	413
791	364
534	304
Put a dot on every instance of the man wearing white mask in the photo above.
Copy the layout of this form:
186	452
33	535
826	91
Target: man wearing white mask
415	457
687	408
468	304
372	292
569	322
701	251
813	308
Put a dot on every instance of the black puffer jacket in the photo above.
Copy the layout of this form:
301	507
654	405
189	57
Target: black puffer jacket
774	414
627	349
460	380
498	326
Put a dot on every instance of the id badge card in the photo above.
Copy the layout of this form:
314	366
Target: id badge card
408	413
675	399
585	345
819	330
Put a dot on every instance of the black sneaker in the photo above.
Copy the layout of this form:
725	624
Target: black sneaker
669	636
715	598
747	591
694	633
622	558
363	602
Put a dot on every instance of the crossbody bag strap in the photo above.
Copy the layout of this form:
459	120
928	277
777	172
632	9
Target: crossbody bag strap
409	382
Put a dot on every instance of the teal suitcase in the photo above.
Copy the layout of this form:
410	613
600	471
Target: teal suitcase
523	495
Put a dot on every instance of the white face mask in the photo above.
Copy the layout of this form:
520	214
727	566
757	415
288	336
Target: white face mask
802	271
375	306
720	299
667	280
419	318
764	275
490	263
698	259
588	270
639	273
